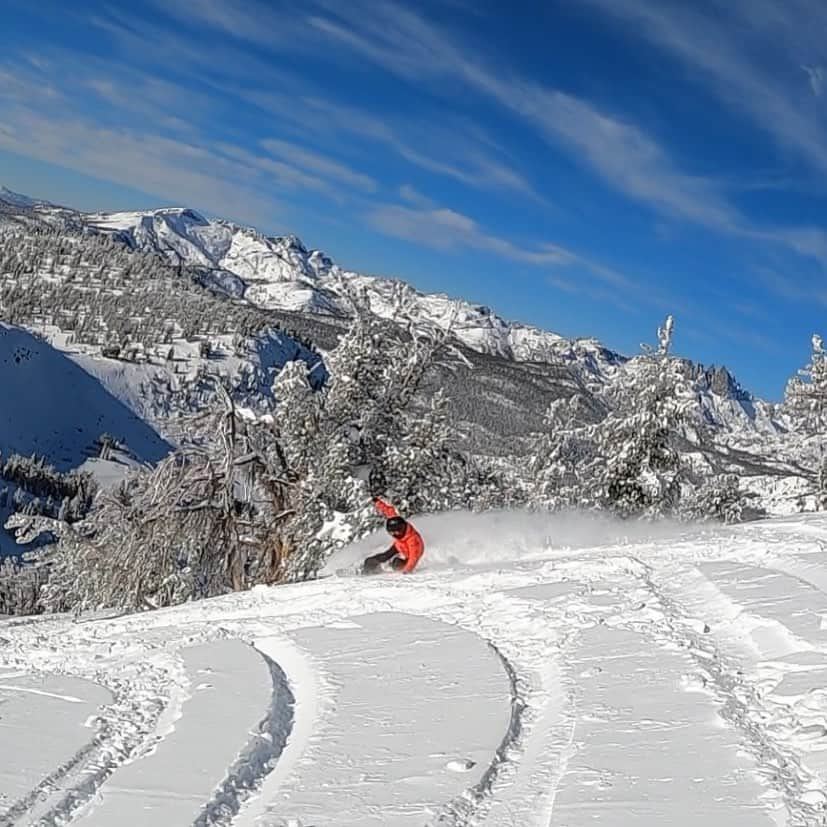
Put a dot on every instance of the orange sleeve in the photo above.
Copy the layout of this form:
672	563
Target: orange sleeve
385	508
415	548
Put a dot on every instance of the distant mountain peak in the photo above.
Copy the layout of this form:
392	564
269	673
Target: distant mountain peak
183	212
282	273
16	199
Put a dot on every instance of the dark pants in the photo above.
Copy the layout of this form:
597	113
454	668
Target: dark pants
372	563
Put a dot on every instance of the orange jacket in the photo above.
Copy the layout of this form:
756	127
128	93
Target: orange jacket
410	545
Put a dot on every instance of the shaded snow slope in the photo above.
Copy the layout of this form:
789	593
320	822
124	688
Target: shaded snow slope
611	676
54	408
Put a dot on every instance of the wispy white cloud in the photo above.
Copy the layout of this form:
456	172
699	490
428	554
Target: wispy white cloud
413	196
809	242
18	85
576	286
135	112
626	157
393	37
247	20
283	175
37	61
445	146
171	50
622	154
818	79
143	96
431	225
791	289
318	163
747	51
233	17
172	170
794	26
72	80
707	329
446	229
750	310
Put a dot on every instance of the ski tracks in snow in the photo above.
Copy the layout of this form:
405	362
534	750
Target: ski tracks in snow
575	689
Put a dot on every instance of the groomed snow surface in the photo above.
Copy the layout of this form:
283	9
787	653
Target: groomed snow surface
554	671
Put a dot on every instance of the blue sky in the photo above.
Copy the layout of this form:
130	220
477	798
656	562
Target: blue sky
584	165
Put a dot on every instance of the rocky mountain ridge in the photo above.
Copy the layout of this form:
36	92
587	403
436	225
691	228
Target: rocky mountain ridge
279	273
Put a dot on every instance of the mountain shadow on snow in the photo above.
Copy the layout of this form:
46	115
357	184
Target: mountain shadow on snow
52	407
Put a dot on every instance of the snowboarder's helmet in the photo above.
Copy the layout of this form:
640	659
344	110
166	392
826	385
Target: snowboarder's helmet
395	525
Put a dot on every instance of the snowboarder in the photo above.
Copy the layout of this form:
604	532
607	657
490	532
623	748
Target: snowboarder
407	546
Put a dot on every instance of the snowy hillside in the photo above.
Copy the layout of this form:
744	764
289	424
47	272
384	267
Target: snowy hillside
54	408
534	671
149	334
107	343
542	667
280	273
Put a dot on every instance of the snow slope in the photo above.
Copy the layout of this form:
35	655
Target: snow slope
54	408
534	671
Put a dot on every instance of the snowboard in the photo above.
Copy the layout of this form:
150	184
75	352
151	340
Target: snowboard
356	571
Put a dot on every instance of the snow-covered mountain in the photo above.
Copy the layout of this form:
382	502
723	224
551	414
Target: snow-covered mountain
281	274
15	199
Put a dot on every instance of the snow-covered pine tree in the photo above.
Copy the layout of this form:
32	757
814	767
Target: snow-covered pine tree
805	404
308	447
20	586
719	498
565	456
805	397
421	462
617	446
174	533
369	416
644	470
